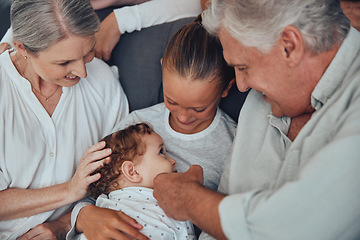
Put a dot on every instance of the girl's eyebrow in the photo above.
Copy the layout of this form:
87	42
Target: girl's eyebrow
202	107
168	97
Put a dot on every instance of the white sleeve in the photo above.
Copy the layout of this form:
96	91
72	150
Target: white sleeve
8	37
72	234
155	12
320	204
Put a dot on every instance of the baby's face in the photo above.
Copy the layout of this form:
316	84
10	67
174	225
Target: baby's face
155	160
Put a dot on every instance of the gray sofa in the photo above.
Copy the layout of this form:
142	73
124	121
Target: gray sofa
137	56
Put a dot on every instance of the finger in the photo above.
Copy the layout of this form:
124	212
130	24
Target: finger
197	172
30	234
96	147
42	237
130	228
93	157
95	163
195	169
91	169
130	220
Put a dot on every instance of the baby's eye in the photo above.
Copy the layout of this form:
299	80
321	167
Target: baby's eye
162	151
242	68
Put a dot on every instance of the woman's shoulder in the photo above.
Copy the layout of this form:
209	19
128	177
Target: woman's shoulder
7	70
102	79
101	72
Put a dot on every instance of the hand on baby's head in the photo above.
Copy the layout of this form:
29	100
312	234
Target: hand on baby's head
138	156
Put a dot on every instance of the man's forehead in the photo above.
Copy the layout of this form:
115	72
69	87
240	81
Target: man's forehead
234	53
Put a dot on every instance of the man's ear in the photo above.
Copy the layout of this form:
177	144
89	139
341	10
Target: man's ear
227	89
129	171
292	45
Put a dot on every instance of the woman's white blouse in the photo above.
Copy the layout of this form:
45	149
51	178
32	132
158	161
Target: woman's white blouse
37	150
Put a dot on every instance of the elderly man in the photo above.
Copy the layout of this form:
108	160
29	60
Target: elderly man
294	169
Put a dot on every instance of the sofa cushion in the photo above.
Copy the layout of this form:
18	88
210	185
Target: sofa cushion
4	17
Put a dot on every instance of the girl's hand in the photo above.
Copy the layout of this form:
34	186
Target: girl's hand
102	223
95	156
4	46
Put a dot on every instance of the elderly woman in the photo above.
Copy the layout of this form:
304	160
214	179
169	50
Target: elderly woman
55	101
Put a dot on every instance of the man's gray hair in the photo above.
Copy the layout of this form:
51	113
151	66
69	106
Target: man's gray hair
38	24
259	23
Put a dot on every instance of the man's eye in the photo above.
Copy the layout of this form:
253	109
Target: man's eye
64	63
242	68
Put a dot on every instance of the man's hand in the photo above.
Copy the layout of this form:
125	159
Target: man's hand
182	196
107	38
173	190
102	223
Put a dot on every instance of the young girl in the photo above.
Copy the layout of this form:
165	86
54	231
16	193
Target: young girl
195	78
138	156
195	129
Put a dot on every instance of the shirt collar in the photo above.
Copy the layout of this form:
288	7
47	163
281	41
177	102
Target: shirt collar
335	73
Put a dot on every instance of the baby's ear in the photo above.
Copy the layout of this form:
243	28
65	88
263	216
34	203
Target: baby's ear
129	171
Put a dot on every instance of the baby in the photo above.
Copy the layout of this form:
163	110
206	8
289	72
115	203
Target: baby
138	156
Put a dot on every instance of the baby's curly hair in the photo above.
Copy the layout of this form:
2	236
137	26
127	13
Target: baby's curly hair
126	145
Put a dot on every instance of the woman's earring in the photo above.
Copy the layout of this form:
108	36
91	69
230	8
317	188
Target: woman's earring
25	57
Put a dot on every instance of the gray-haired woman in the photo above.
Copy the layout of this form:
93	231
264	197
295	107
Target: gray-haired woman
55	101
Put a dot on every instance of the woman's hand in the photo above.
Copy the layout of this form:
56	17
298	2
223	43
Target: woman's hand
50	230
102	223
46	231
4	46
95	156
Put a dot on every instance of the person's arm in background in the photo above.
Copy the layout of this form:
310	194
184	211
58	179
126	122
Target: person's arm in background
204	4
101	4
6	41
352	10
131	18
